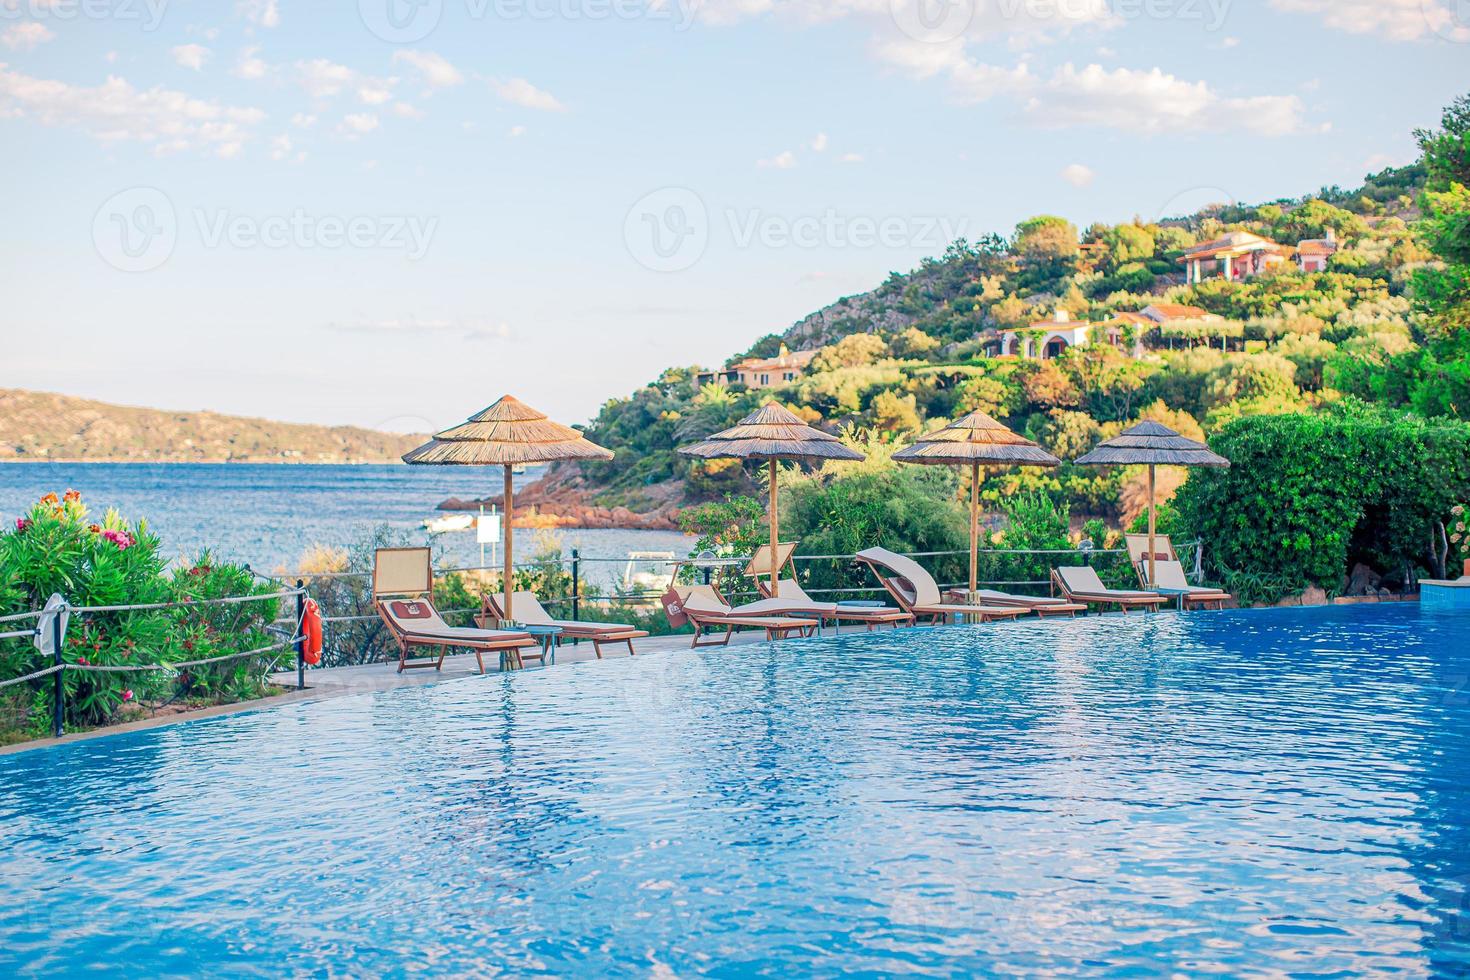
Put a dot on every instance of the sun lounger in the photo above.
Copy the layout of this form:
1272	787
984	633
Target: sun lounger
794	600
1170	573
703	608
916	591
1079	583
403	584
1172	582
759	566
1042	606
528	610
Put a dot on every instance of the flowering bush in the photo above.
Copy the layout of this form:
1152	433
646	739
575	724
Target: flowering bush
56	549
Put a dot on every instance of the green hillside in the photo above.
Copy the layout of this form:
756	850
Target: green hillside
1374	325
42	426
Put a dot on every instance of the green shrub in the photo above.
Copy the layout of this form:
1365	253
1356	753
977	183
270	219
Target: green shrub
1309	495
56	549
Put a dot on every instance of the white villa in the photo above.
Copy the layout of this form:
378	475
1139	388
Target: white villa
1236	256
763	372
1312	253
1046	339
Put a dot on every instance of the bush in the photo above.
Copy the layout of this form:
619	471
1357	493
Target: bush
1309	495
56	549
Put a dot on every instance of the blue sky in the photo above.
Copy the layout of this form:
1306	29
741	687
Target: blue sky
390	212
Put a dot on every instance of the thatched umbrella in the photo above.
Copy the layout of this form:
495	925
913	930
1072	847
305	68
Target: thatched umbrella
1155	445
772	434
509	433
976	440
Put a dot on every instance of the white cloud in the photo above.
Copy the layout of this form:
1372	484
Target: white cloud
249	65
25	37
819	143
115	111
303	120
851	158
191	56
1077	174
263	13
406	111
357	124
1154	102
281	147
1133	100
1230	42
1395	20
435	70
373	93
325	79
784	160
516	132
520	92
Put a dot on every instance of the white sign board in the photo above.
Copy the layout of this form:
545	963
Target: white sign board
487	530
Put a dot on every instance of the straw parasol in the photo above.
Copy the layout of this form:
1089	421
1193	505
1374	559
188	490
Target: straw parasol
772	433
508	433
1152	444
976	440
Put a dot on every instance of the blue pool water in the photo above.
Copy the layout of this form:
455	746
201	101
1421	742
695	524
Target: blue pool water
1279	793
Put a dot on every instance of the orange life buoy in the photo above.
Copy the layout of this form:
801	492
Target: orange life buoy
311	633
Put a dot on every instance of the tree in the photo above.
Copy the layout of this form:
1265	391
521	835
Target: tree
854	350
892	412
1050	387
1046	239
1128	243
914	342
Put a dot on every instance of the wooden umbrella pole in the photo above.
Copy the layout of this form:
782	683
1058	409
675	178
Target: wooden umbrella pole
509	582
974	529
1152	550
775	533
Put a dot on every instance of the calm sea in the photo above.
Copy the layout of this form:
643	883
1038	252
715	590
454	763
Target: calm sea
268	515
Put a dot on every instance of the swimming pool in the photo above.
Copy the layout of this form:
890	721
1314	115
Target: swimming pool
1252	792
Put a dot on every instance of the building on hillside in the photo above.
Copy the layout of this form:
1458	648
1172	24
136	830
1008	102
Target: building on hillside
1161	313
1046	339
762	372
1235	256
1312	253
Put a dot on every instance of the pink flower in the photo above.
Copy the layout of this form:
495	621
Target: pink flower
127	695
21	524
122	539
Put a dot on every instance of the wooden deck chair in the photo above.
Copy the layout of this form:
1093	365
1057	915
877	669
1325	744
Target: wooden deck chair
916	591
797	602
1043	606
1079	583
1172	581
702	607
403	586
759	566
528	610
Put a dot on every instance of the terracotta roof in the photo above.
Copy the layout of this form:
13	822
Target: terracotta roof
1137	318
793	359
1178	311
1316	246
1235	242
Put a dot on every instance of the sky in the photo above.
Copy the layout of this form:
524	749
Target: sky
390	212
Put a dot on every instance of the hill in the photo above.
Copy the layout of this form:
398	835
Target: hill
1325	313
42	426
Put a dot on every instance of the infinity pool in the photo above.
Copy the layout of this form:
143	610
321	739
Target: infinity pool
1263	793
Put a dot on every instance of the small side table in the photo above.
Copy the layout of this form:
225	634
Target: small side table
548	636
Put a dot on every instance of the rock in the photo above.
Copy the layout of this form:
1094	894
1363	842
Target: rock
1314	597
1363	581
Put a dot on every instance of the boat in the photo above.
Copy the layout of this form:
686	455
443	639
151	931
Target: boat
649	571
450	522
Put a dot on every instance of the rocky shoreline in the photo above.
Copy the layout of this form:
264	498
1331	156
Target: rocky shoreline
552	502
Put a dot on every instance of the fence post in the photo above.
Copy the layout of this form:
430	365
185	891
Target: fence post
576	583
58	684
300	638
